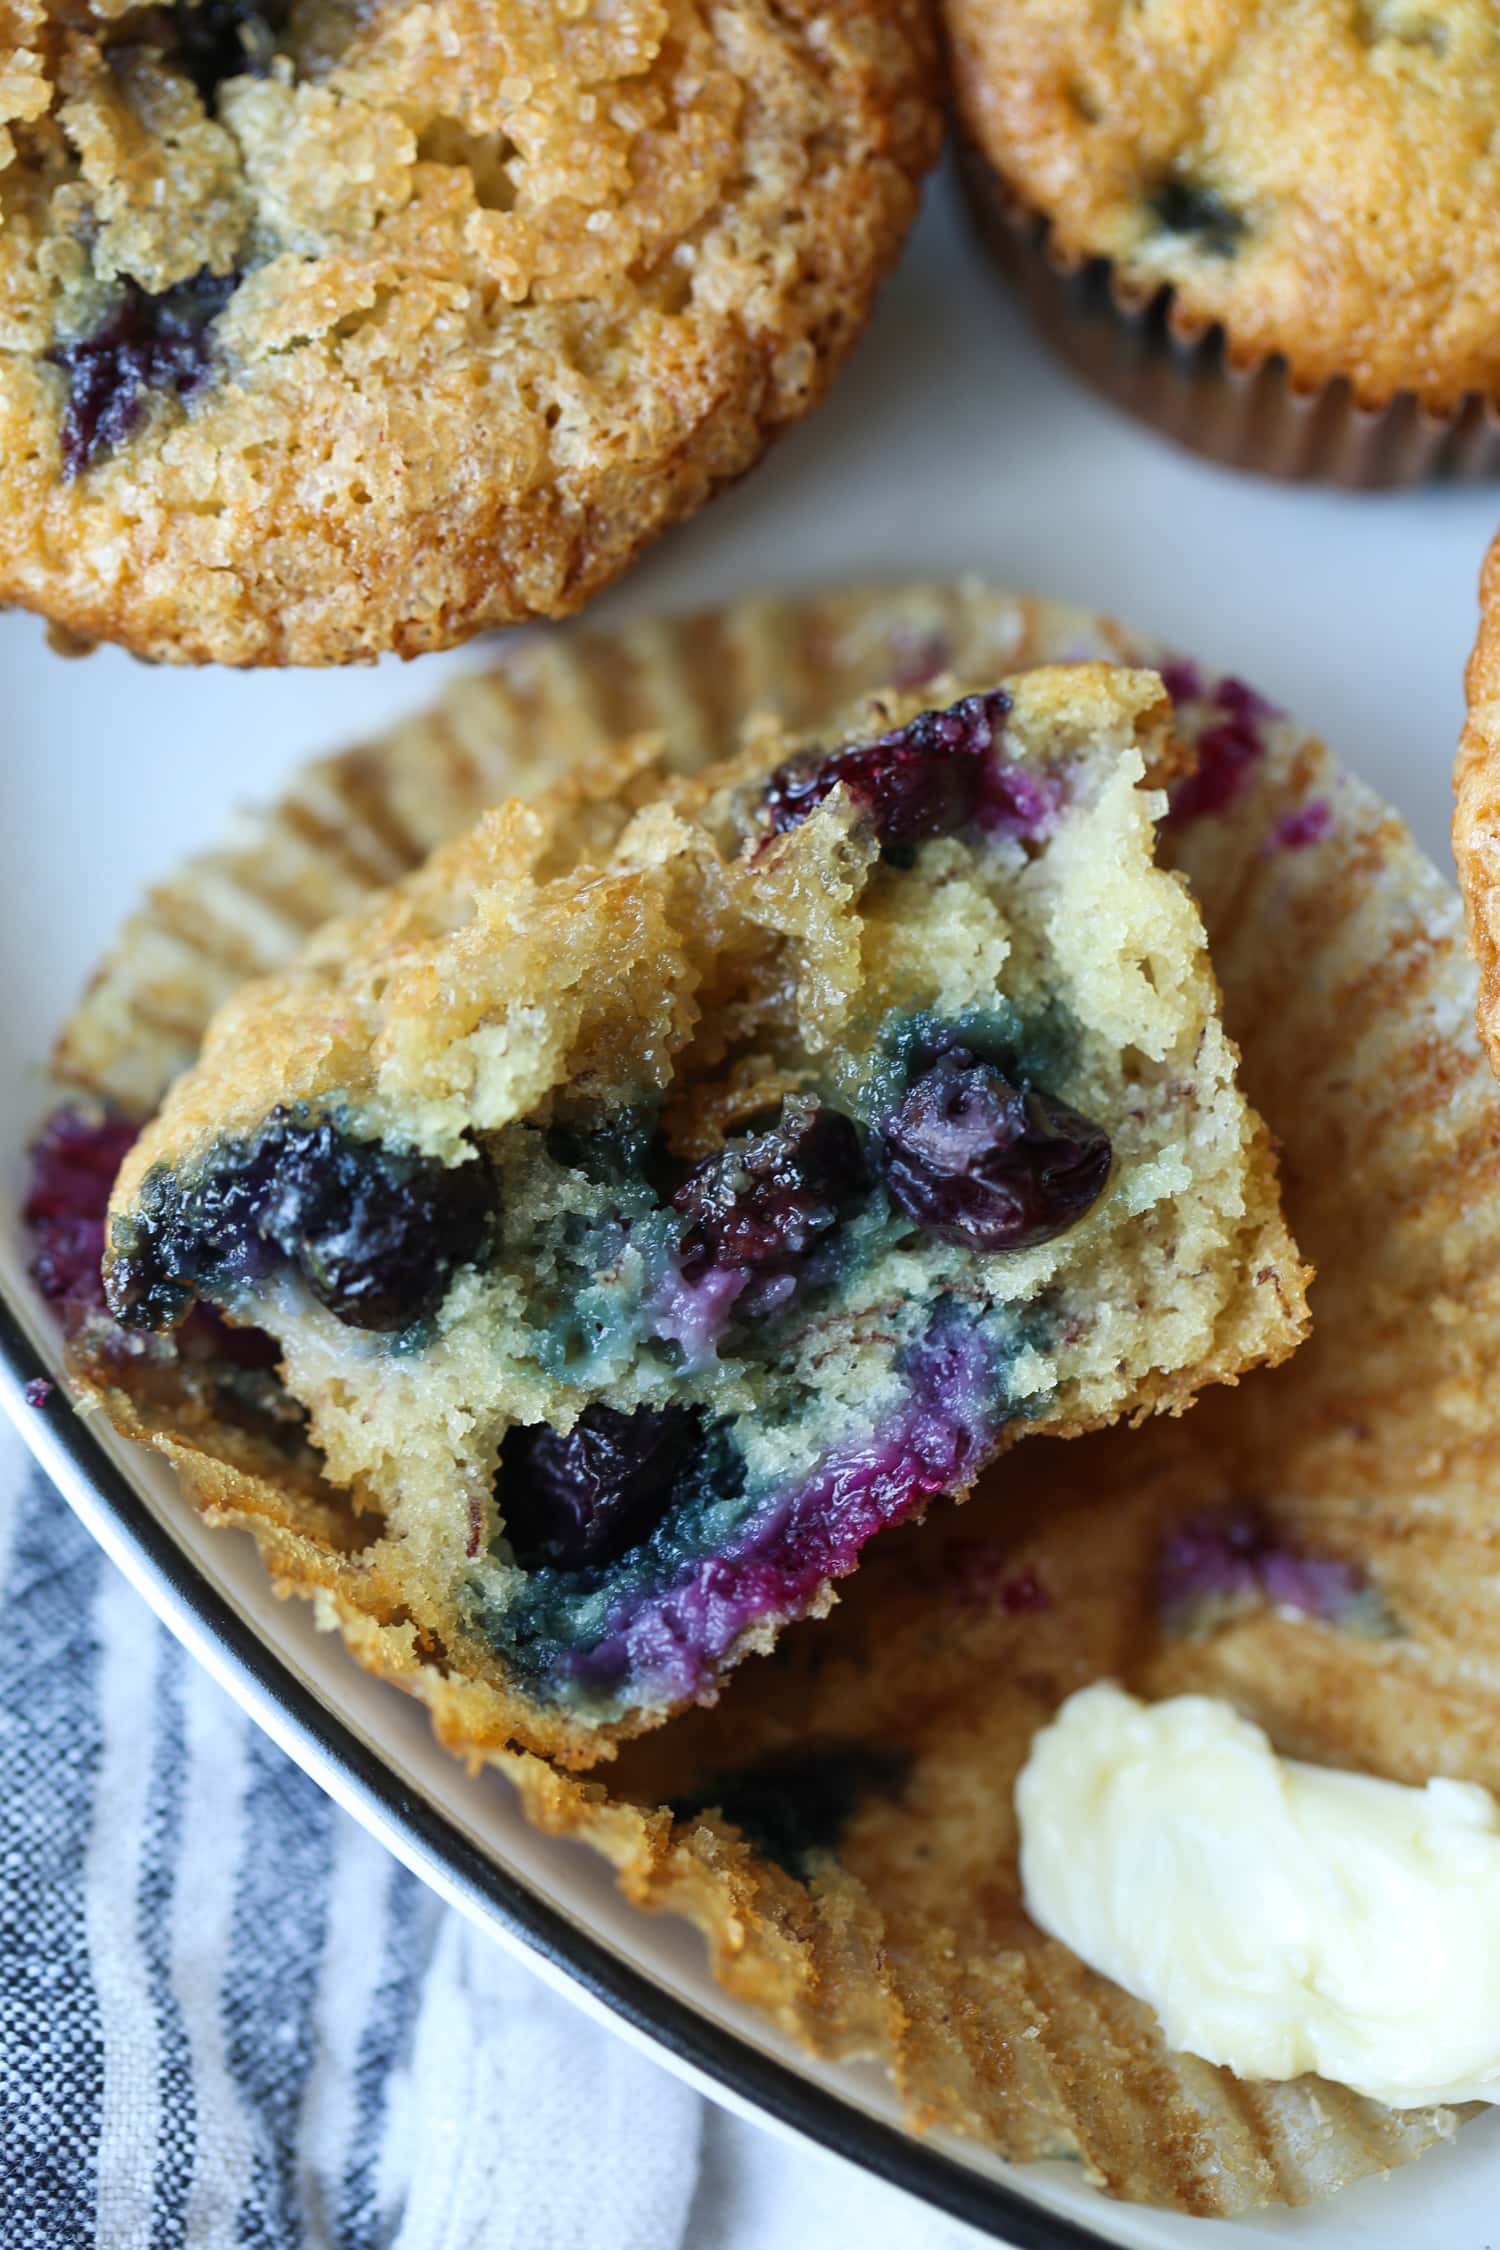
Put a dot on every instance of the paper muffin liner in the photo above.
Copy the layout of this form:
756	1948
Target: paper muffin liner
1319	1543
1138	346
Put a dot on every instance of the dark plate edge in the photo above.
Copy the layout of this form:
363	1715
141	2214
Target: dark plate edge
758	2080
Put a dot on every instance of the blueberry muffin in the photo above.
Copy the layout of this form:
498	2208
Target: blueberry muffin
1476	804
1270	230
327	330
675	1182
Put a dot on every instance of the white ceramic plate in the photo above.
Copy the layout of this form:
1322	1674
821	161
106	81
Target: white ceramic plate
953	444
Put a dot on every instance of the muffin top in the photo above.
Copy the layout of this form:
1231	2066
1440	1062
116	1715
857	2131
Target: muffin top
328	328
1321	176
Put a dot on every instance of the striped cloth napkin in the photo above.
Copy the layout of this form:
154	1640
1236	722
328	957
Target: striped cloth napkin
229	2018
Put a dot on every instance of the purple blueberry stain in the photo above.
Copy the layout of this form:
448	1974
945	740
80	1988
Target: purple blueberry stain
1305	825
667	1640
147	343
1020	803
1182	680
1245	703
928	778
1215	1562
74	1160
1023	1594
974	1160
38	1391
711	1556
1229	749
1227	758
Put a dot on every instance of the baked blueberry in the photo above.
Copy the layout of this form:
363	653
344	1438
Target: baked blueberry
762	1204
376	1233
924	779
972	1158
587	1496
144	344
1187	207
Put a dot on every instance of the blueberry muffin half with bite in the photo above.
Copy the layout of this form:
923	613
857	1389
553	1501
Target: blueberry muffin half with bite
327	330
676	1181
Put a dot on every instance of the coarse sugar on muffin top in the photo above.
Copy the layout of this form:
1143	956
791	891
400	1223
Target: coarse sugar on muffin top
329	330
1320	177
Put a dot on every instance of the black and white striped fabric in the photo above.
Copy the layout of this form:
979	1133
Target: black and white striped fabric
230	2021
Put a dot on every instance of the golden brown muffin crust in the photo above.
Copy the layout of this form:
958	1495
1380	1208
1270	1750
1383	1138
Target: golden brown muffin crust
494	293
1476	804
1321	176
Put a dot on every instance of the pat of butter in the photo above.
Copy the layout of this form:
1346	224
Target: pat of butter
1278	1917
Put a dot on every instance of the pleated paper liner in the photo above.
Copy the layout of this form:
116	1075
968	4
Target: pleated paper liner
1140	349
867	1895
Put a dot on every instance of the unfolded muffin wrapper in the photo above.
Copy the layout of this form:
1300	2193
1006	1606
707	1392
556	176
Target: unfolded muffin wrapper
1358	1613
1140	348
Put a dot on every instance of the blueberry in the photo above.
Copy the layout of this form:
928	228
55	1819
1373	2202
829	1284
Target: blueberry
765	1202
977	1161
377	1241
1185	206
377	1233
147	343
924	779
588	1497
219	39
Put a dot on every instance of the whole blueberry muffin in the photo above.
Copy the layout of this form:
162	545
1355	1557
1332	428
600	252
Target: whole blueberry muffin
1269	229
1476	804
676	1182
327	330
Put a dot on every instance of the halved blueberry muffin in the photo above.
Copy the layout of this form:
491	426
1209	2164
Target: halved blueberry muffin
677	1181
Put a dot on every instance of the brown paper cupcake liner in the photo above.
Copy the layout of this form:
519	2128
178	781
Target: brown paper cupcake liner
1143	352
1320	1543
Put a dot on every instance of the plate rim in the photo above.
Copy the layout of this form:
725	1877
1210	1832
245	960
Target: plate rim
756	2082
